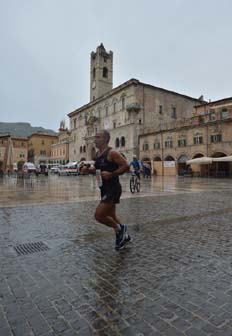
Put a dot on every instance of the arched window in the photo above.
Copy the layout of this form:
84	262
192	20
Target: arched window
114	106
84	149
123	103
123	142
117	142
105	72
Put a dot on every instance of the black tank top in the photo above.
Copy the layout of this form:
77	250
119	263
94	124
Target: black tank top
103	164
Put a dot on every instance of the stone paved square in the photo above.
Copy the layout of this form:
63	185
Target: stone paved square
174	279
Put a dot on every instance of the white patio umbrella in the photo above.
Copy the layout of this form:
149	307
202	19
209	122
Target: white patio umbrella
200	160
223	159
10	154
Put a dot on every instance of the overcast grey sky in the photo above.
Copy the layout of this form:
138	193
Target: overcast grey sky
45	45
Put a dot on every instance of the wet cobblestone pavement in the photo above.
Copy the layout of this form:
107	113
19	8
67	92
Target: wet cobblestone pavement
174	279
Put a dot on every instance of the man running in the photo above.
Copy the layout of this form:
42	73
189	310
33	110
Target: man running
111	164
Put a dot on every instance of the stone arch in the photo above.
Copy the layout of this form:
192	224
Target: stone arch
169	158
220	169
157	158
218	154
182	167
157	165
146	158
197	155
182	158
169	166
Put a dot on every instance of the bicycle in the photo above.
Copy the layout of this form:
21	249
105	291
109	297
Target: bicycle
134	183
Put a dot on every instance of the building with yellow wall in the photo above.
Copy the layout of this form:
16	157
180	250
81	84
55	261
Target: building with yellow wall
207	133
39	147
60	150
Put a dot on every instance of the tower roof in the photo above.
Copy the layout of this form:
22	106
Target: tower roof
101	46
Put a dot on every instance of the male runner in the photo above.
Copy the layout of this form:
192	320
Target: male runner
111	164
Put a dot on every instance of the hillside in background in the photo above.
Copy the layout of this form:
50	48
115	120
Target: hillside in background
22	129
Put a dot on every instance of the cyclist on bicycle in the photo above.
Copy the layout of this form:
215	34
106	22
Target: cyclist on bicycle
136	166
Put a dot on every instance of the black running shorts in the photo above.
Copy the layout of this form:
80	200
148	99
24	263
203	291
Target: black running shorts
111	194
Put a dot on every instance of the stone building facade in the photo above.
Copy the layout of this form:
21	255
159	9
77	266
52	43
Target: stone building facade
128	111
207	133
13	152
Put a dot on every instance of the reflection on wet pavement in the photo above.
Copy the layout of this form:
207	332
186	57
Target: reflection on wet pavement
174	279
56	189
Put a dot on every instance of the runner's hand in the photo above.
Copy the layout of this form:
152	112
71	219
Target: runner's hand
106	175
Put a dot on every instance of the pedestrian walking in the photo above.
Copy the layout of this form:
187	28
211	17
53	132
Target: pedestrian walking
109	165
146	170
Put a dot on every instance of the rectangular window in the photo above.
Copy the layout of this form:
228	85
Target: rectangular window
201	119
123	103
216	138
160	109
145	146
224	113
173	114
157	145
114	107
106	110
212	116
182	142
198	140
42	142
168	144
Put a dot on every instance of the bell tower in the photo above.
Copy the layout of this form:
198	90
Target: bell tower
101	72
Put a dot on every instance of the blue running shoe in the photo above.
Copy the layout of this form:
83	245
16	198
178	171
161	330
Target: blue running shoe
126	240
120	235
